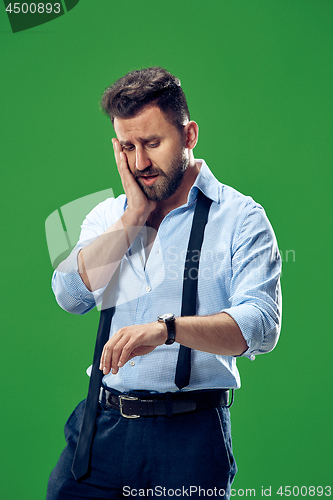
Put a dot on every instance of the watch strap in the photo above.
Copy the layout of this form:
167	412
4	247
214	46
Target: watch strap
171	327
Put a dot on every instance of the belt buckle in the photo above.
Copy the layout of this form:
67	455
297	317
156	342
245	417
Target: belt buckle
127	398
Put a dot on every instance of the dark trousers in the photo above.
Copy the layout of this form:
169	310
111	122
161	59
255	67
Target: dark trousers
186	455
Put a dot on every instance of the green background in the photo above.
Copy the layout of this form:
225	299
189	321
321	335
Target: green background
258	77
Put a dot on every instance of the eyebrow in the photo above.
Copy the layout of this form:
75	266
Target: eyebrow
143	140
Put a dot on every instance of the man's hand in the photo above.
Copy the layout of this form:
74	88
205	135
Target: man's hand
129	342
137	202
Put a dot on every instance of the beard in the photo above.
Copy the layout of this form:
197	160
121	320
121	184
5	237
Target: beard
168	182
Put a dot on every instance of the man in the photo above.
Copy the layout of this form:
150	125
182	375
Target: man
133	250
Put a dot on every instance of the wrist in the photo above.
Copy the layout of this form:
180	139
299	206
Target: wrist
134	218
164	332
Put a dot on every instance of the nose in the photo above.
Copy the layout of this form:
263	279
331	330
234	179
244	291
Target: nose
142	160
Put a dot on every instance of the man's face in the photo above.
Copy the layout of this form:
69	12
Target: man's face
154	148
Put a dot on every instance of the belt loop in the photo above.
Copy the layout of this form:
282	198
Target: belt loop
102	396
232	398
168	404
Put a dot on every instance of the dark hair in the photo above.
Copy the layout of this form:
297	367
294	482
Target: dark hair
147	86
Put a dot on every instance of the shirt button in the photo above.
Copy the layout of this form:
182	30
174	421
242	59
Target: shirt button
148	289
132	363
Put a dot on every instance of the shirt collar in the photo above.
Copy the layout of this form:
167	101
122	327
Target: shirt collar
206	182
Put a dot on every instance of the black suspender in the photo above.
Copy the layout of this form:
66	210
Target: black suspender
190	284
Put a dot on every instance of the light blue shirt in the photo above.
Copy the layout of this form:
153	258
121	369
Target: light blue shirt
238	273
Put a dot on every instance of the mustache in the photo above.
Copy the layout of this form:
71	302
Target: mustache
147	171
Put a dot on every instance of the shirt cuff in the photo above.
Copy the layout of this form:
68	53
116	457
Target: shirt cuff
250	322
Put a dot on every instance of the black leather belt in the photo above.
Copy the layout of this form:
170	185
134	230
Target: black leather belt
142	404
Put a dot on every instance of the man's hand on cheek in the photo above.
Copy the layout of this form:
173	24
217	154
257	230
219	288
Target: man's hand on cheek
129	342
137	202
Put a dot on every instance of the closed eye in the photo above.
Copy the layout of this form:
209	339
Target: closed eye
128	148
131	147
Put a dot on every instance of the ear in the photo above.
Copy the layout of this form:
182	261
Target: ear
191	130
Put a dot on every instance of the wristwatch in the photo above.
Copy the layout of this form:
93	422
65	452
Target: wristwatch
169	320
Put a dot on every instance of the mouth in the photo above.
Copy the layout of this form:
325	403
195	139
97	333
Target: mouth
148	180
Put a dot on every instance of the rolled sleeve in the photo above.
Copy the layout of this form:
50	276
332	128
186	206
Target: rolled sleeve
71	293
255	294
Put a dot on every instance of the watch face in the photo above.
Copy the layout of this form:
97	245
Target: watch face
166	317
